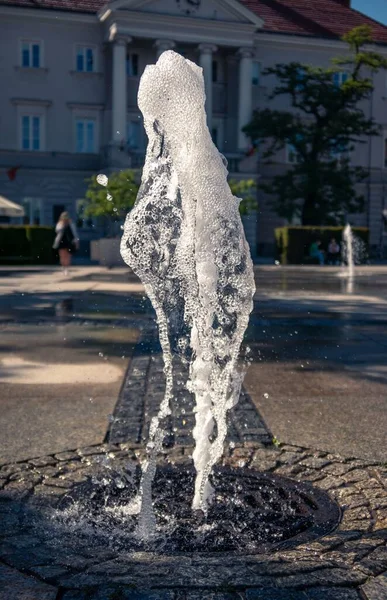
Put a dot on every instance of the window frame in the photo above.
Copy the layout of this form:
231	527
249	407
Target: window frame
86	47
31	115
135	121
341	75
258	79
129	71
219	126
340	155
215	71
85	119
31	42
34	205
290	148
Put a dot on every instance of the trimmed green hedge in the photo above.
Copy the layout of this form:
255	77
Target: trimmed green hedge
26	244
293	242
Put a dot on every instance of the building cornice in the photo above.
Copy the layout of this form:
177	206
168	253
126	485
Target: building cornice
84	106
31	102
235	8
180	29
288	39
50	15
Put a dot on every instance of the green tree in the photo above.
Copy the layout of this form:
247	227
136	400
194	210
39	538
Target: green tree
111	201
321	130
246	190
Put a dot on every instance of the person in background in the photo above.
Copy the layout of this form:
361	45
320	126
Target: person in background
333	257
316	252
66	241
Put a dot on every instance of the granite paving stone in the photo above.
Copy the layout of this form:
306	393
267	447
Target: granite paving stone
17	586
376	589
347	558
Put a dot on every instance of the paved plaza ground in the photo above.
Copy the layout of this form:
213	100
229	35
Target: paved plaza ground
81	374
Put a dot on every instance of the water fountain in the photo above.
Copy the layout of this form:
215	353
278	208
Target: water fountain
348	251
185	240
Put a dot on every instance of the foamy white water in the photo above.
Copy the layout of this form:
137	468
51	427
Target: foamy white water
184	238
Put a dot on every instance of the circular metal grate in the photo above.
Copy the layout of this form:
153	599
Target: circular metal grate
251	511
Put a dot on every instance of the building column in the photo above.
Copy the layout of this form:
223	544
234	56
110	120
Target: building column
245	94
163	45
205	61
119	93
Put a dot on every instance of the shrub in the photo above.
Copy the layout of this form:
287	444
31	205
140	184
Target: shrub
293	242
26	244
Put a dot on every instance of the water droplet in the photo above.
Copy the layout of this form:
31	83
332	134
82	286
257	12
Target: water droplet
102	179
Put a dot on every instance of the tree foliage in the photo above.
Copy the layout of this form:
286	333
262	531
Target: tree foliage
246	190
325	122
113	200
117	198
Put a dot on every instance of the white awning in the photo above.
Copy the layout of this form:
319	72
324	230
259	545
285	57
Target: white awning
10	209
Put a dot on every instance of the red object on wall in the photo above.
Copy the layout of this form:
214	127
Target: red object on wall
12	173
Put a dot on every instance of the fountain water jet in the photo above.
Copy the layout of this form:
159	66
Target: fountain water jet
184	238
348	255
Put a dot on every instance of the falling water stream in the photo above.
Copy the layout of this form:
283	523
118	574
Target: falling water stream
184	238
348	250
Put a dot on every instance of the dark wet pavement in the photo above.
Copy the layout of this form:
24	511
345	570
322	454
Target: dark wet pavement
318	343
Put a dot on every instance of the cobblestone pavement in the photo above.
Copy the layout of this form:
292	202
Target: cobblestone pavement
38	564
335	567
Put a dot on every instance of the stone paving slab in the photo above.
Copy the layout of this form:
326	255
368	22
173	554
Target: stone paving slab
334	567
376	589
16	586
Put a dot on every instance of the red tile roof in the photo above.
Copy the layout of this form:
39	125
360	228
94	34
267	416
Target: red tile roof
322	18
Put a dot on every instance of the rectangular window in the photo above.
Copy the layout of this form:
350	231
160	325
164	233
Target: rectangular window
85	135
339	78
255	73
339	152
30	54
300	77
30	132
215	71
32	211
134	134
132	68
85	61
291	154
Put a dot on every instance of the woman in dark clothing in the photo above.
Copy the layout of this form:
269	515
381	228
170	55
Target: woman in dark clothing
66	241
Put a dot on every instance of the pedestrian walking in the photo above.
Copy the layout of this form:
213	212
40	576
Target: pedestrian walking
66	240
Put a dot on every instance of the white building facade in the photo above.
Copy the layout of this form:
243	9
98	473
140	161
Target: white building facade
68	104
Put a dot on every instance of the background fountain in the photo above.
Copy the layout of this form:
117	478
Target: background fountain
348	251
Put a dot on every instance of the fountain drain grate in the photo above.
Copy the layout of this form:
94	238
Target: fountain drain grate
251	511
